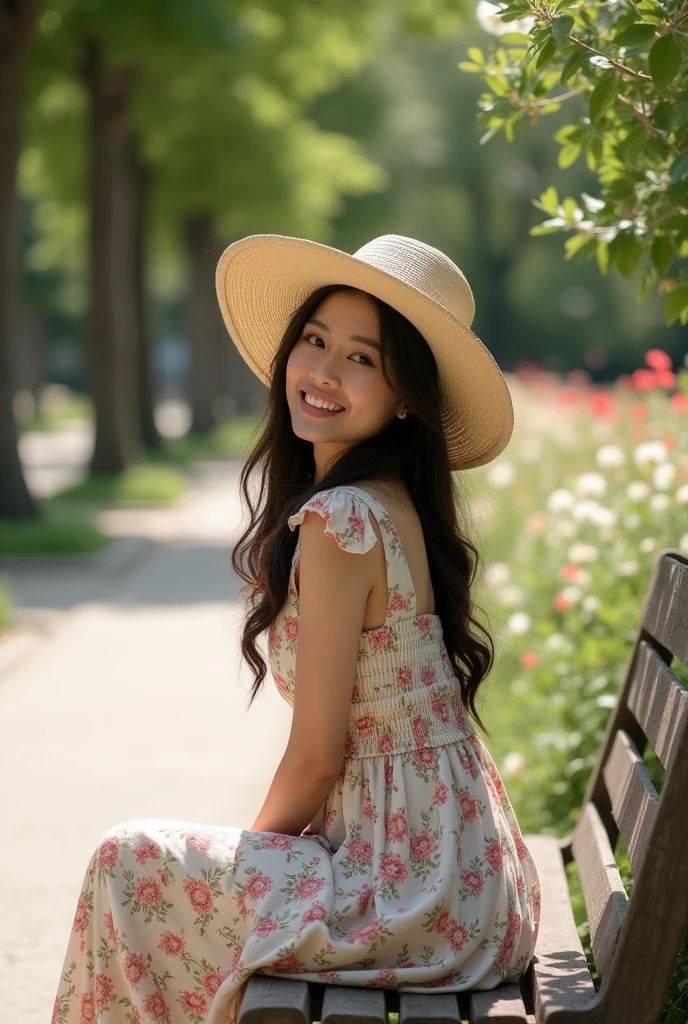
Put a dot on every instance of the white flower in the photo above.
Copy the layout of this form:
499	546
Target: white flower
583	553
638	490
591	485
627	568
647	545
583	578
519	687
557	642
512	597
664	476
591	603
565	528
513	765
497	574
531	449
519	623
659	502
592	512
683	544
489	20
561	500
571	594
502	474
682	495
631	521
650	452
610	456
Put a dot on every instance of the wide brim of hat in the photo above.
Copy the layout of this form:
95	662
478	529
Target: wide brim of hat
261	281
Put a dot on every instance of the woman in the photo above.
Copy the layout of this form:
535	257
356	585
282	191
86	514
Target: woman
387	853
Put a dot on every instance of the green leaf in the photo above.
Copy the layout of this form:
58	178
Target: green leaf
602	257
561	29
570	206
574	61
476	54
664	60
548	227
620	189
626	252
465	65
549	201
646	285
580	248
547	53
679	168
600	98
662	254
568	155
663	115
676	306
636	34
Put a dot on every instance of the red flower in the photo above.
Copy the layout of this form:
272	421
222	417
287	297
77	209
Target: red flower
291	628
357	525
361	850
155	1006
385	744
658	359
316	912
171	944
473	880
365	933
469	808
201	840
423	623
396	826
289	964
277	841
272	636
258	886
146	850
364	898
442	921
87	1010
398	603
428	675
148	891
308	888
104	991
420	729
389	771
404	676
266	927
440	707
493	855
135	968
192	1002
80	916
529	659
107	852
456	934
200	895
422	846
424	757
211	981
441	793
380	638
392	868
110	927
56	1011
364	723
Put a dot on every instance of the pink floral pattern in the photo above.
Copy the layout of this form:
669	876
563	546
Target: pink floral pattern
416	877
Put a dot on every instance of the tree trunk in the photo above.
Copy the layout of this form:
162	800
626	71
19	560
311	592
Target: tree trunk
112	365
203	312
17	18
149	431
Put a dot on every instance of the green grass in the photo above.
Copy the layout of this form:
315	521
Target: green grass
49	535
143	482
74	406
6	603
231	439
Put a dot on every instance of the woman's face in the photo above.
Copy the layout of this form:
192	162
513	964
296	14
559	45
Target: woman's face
337	359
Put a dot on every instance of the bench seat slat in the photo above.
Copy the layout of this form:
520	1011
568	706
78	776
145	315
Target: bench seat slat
561	979
279	1000
658	702
605	897
666	612
633	797
501	1005
347	1005
436	1007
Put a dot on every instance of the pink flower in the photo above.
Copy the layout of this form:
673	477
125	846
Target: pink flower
424	757
396	826
392	529
404	676
379	639
386	978
364	723
291	628
104	991
357	526
258	886
201	840
392	868
493	855
473	881
350	746
307	888
155	1006
134	968
171	944
87	1010
422	846
469	765
428	675
513	931
80	916
291	963
440	707
192	1002
361	850
398	603
420	729
389	771
200	895
385	744
365	933
521	848
273	636
56	1011
364	898
148	891
423	623
266	927
469	807
441	792
456	935
316	912
211	981
442	921
277	841
107	852
146	850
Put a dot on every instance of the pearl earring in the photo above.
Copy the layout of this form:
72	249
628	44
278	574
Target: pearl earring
401	415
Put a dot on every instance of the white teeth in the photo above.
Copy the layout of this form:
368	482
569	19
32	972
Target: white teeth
320	404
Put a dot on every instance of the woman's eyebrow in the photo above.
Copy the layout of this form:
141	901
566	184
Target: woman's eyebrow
354	337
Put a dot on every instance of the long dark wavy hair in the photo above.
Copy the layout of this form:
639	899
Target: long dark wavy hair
412	450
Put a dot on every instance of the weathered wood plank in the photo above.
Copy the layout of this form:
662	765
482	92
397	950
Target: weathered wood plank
434	1008
501	1005
658	702
665	614
633	797
349	1005
605	897
561	979
269	1000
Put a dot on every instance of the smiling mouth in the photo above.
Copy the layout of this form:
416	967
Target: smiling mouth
315	410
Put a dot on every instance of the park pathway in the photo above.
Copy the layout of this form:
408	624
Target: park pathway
131	705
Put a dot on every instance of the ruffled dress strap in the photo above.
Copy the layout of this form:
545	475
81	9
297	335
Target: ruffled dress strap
346	511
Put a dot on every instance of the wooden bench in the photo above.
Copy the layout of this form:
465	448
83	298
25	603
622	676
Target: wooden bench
634	941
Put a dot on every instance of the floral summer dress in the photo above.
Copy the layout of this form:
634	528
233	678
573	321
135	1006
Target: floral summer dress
418	877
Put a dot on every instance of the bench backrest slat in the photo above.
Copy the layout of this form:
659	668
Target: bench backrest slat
347	1005
665	616
633	797
658	702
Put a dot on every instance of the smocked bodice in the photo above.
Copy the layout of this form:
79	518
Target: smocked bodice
406	696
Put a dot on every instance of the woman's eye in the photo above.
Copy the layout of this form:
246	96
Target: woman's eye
368	360
307	336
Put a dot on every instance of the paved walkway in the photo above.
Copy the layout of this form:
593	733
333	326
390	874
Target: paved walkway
131	704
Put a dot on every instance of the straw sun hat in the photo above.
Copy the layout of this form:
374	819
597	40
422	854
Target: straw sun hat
262	279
